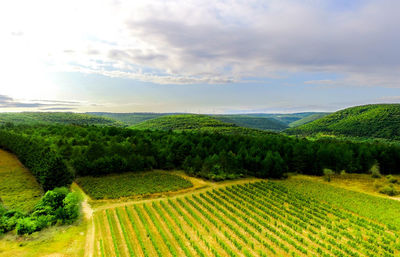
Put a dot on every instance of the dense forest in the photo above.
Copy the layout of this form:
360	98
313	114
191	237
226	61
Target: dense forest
372	121
92	150
56	117
196	123
129	118
263	123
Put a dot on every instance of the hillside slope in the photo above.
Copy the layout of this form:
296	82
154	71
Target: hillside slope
308	119
263	123
56	117
195	122
376	121
129	118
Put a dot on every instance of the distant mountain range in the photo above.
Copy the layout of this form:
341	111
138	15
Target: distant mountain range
368	121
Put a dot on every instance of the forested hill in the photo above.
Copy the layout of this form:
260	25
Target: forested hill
195	122
373	121
130	118
308	119
56	117
263	123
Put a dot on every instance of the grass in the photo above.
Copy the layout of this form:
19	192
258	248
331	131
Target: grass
66	241
131	184
378	208
19	189
253	219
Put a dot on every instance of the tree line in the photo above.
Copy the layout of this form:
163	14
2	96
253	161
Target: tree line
91	150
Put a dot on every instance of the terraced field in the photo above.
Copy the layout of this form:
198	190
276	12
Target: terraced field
253	219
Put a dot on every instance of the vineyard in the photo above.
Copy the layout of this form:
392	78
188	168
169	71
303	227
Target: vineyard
253	219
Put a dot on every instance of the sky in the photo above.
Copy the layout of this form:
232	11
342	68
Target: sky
204	56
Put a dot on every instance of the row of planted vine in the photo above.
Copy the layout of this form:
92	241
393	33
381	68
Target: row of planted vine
255	219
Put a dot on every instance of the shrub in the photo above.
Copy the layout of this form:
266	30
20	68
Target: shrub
328	174
70	211
389	190
375	171
26	226
52	200
391	179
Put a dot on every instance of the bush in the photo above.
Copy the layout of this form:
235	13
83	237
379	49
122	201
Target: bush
70	210
328	174
391	179
51	201
375	173
58	205
26	226
389	190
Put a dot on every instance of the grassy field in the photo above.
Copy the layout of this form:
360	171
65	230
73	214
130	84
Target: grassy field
131	184
253	219
18	187
378	208
65	241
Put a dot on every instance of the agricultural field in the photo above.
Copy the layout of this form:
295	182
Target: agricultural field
19	189
379	208
252	219
131	184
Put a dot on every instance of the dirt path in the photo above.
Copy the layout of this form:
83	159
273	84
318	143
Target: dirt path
199	186
87	212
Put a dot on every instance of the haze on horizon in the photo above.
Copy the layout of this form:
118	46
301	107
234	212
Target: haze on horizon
198	56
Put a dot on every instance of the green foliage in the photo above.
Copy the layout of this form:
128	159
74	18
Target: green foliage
388	190
196	123
391	179
328	173
372	121
308	119
129	118
26	226
262	123
373	207
55	117
251	219
46	164
99	151
57	206
131	184
375	171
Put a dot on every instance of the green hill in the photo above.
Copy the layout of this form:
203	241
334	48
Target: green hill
195	122
286	118
263	123
129	118
372	121
308	119
56	117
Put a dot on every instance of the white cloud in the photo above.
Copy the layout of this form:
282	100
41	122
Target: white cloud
180	42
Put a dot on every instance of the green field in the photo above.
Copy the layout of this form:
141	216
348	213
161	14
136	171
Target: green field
377	208
131	184
254	219
19	189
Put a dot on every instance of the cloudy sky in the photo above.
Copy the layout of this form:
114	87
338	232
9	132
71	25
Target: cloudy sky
198	56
